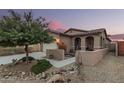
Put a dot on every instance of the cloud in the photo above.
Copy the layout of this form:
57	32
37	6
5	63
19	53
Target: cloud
55	25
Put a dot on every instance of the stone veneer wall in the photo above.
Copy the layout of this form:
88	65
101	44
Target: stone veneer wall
90	57
57	54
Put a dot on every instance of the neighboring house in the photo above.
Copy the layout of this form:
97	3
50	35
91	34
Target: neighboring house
117	37
76	39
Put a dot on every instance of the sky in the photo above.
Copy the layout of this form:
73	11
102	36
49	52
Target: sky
87	19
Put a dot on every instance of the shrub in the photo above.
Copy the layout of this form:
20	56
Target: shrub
41	66
29	58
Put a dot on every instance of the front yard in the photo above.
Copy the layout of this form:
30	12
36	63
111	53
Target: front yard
109	70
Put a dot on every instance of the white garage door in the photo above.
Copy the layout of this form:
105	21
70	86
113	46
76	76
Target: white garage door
49	46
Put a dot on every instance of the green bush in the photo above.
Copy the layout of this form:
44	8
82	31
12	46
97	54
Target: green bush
41	66
29	58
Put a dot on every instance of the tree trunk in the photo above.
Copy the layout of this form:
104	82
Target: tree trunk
41	47
27	54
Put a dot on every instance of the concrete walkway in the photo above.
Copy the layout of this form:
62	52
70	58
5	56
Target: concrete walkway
8	59
62	63
37	55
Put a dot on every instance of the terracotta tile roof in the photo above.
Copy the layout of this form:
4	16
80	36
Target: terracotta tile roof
91	32
88	32
75	30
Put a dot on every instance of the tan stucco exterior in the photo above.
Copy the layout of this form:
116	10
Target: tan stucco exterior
68	42
100	39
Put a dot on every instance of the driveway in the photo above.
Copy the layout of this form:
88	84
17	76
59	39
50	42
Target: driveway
110	69
62	63
8	59
37	55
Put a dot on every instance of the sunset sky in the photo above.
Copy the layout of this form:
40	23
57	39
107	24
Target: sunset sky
112	20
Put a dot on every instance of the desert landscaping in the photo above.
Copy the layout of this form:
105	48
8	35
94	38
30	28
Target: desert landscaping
21	73
109	70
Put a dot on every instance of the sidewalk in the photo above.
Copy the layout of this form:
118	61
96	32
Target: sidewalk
62	63
8	59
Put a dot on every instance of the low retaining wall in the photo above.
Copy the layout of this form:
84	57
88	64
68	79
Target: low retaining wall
57	54
90	57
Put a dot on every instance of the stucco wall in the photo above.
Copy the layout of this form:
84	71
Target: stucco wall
96	42
105	43
90	57
18	50
68	42
57	54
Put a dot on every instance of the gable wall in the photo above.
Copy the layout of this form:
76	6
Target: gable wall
73	32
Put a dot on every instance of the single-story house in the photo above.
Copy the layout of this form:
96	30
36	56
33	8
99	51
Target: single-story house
77	39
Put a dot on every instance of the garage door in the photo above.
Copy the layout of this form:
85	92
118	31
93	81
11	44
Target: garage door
49	46
121	48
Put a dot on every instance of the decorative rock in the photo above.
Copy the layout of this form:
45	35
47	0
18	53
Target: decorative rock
71	69
57	79
15	78
31	74
58	72
1	68
37	78
23	73
54	72
10	73
62	70
5	70
26	78
39	75
43	76
68	80
71	72
6	77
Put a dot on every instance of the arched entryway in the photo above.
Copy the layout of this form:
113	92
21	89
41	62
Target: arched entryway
89	43
77	43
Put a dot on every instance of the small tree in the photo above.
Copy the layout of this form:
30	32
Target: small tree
23	30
